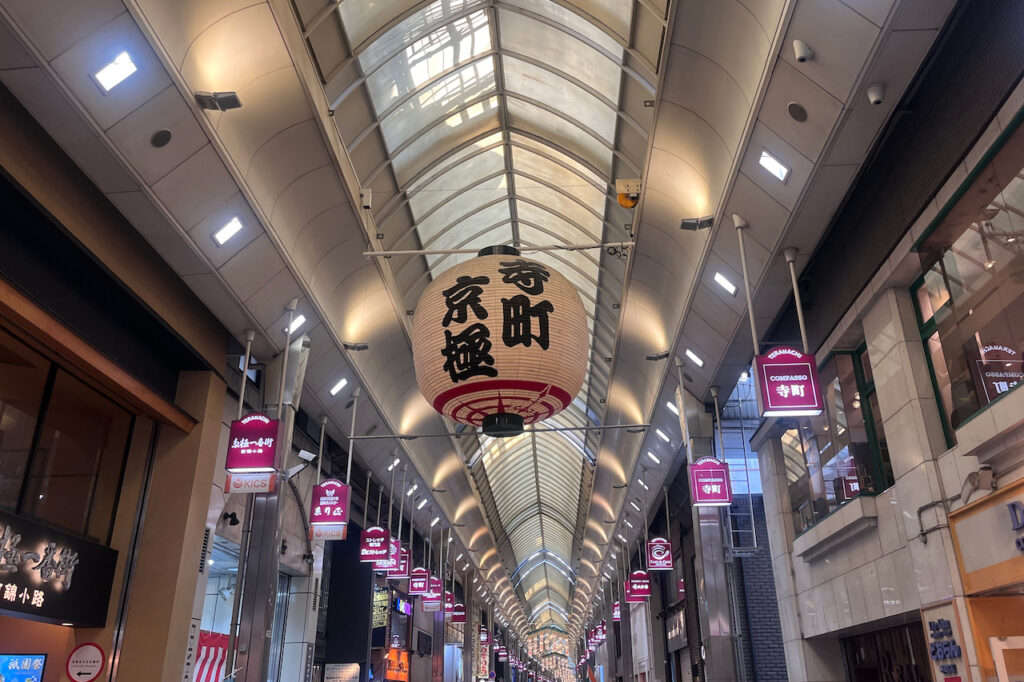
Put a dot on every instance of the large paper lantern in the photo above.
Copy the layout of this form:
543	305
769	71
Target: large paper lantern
500	341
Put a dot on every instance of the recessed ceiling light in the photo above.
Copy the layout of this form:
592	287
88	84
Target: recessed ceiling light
412	490
393	464
661	435
694	357
619	536
209	562
434	522
724	282
672	407
773	166
230	229
641	482
745	376
654	458
297	322
628	523
116	71
613	554
422	504
338	386
458	557
634	505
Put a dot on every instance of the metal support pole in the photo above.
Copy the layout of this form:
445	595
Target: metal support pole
790	254
250	336
351	437
320	450
366	502
741	225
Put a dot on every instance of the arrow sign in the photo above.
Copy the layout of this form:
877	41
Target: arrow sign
85	662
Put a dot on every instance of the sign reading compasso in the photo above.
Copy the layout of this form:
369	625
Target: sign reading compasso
787	383
85	662
53	576
709	483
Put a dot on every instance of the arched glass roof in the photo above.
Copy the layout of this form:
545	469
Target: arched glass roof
498	122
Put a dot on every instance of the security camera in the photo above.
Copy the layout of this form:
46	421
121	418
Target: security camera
876	93
307	455
802	51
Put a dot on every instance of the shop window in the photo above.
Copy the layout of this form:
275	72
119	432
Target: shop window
63	445
833	458
971	289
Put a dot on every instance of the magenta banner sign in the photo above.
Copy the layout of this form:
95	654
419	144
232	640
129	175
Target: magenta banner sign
330	503
616	612
787	383
374	544
639	587
401	571
659	555
709	483
449	603
419	581
390	562
681	588
432	598
251	444
459	613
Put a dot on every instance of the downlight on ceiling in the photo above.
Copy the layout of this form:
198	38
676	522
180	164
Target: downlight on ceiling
229	230
661	435
773	166
422	504
412	489
672	407
393	464
653	457
297	322
722	281
336	389
694	357
111	75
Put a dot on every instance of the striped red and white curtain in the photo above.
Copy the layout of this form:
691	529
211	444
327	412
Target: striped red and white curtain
211	657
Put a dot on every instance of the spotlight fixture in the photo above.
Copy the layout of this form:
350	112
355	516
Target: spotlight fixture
218	101
694	224
354	346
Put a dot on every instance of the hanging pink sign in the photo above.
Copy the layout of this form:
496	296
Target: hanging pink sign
485	637
330	503
449	603
374	544
709	483
639	587
252	444
681	588
432	600
787	383
418	581
659	555
390	562
401	571
459	613
616	612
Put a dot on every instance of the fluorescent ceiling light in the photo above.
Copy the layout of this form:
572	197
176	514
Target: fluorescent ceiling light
661	435
725	283
434	522
393	464
634	505
654	458
422	504
745	377
412	489
338	386
628	523
613	554
773	166
672	407
458	557
116	71
694	357
229	230
451	539
297	322
619	536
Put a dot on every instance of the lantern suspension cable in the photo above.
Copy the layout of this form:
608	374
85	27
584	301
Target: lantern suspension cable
741	225
530	249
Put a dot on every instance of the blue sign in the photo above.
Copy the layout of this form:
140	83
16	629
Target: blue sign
22	667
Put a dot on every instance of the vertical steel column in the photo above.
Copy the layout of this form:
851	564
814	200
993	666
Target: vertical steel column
741	225
790	254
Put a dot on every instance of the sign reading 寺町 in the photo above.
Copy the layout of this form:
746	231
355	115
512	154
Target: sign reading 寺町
709	483
787	383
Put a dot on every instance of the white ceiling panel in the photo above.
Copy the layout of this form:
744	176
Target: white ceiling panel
202	233
788	192
196	187
789	85
55	27
252	267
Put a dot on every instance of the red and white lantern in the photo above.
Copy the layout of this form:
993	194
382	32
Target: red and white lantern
500	341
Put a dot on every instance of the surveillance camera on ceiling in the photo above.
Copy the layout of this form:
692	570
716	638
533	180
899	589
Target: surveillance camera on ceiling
876	93
802	51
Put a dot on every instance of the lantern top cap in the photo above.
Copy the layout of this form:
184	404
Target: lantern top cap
498	251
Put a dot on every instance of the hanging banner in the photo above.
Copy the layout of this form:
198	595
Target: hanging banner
401	570
485	637
259	482
431	602
639	587
374	544
418	581
787	383
616	612
681	589
330	503
389	562
459	613
328	532
449	603
502	654
709	483
659	555
252	444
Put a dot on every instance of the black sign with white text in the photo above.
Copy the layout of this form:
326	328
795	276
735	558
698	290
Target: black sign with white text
49	575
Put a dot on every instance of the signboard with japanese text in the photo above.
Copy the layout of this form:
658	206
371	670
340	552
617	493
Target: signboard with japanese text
401	569
616	612
787	383
449	603
330	503
374	544
396	666
485	636
381	606
432	598
709	483
681	588
459	613
52	576
85	662
659	555
341	672
252	444
997	371
418	581
22	667
639	587
942	629
390	561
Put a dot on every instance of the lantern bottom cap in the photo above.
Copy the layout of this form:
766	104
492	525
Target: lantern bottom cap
503	425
